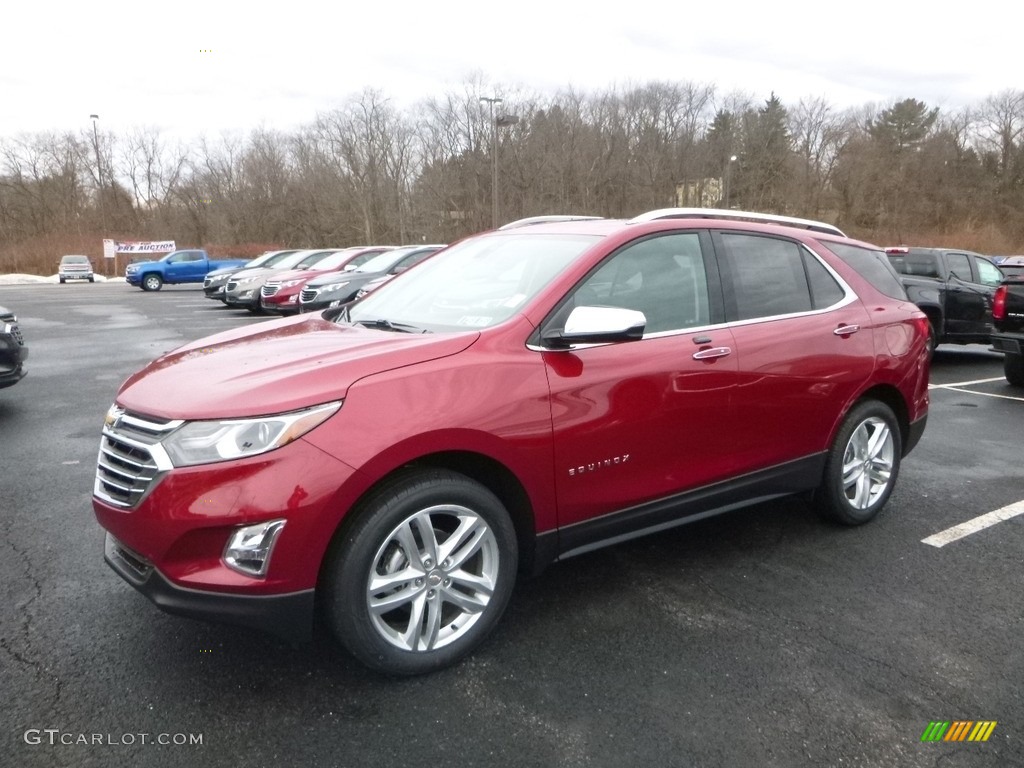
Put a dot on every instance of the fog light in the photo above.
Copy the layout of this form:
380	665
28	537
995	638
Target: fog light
248	550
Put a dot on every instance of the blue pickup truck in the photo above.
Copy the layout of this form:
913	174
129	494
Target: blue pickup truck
188	266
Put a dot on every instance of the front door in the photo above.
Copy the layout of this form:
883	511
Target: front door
638	421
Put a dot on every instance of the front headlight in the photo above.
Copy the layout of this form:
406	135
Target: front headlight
289	283
331	287
204	442
246	280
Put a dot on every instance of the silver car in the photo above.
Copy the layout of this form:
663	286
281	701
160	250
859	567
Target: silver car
74	267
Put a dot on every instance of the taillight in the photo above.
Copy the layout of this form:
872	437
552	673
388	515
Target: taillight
999	303
923	325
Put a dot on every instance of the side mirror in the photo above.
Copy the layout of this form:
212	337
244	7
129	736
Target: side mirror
597	325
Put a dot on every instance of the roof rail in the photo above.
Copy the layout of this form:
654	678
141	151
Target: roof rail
720	213
531	220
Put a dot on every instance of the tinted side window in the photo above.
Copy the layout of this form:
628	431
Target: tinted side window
960	265
919	264
989	272
767	275
825	291
663	277
873	266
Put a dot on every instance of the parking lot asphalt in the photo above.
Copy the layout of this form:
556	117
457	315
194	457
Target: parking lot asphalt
765	637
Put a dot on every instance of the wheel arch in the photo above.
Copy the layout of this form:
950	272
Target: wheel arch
891	396
487	471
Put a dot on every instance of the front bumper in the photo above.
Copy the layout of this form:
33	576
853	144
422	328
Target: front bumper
246	297
12	357
170	545
289	616
285	305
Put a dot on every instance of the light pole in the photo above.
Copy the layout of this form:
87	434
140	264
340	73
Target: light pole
99	170
491	101
728	178
99	177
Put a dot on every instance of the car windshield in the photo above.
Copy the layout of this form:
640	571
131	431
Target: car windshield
336	260
383	261
477	283
269	258
313	259
75	260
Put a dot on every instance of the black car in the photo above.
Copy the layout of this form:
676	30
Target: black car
13	351
337	288
953	287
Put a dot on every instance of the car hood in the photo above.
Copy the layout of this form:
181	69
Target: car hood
340	276
274	367
294	274
225	271
252	271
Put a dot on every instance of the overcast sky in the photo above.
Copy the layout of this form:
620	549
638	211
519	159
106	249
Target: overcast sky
205	67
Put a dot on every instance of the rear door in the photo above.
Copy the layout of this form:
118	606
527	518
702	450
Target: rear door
968	296
804	347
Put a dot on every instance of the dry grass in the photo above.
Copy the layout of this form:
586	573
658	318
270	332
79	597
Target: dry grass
41	255
986	239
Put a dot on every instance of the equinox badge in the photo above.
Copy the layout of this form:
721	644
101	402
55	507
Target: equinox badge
593	467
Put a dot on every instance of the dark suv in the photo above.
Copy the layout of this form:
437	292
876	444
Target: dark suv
13	351
523	396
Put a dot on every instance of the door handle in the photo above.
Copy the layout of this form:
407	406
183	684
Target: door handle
712	353
846	330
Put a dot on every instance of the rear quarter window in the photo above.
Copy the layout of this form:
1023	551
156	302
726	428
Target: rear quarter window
871	264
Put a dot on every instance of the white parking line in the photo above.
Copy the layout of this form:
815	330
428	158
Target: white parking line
979	523
958	387
964	383
983	394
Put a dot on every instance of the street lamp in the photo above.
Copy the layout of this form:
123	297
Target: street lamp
99	170
491	101
728	178
497	121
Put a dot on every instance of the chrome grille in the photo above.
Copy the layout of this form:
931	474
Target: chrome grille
131	458
232	284
11	328
269	289
206	281
308	294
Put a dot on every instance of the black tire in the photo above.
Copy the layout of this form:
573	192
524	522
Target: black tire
386	537
1013	369
92	279
152	282
61	280
869	445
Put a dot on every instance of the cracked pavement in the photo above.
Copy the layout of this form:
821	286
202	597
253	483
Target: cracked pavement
765	637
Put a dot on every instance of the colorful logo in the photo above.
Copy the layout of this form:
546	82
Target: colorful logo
959	730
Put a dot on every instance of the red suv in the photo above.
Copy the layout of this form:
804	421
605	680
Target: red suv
526	395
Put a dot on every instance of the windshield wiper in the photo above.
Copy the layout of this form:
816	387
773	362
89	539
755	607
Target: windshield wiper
386	325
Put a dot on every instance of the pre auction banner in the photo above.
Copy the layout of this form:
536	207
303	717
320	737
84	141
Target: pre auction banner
113	247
